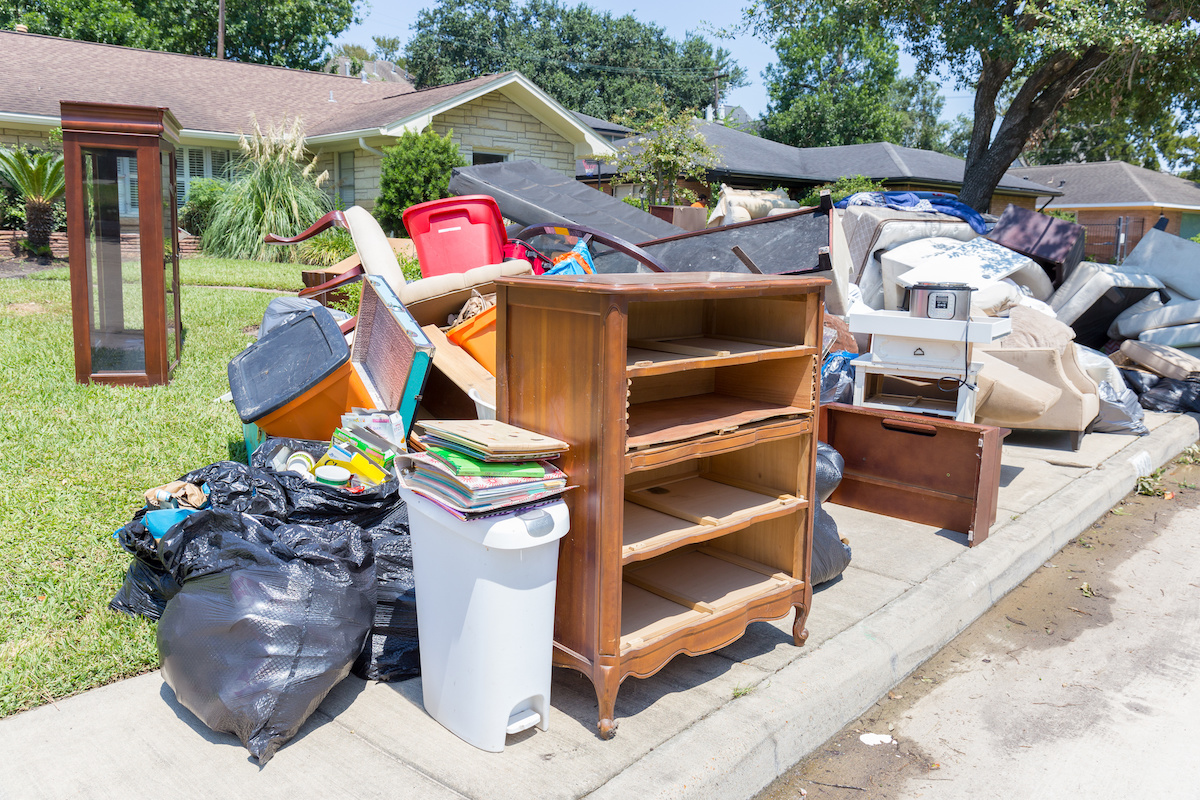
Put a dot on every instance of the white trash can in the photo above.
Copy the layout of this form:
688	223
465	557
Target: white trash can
485	616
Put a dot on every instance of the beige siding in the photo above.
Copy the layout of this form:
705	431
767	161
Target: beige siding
15	136
495	124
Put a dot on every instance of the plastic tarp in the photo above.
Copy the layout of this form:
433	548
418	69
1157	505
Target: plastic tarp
786	244
531	194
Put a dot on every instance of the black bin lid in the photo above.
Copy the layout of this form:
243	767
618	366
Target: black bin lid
286	363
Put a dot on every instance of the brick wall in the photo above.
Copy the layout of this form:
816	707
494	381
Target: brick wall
188	245
1148	216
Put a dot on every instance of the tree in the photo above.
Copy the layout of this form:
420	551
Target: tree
670	149
388	48
920	103
1092	130
287	33
590	61
414	170
833	85
39	180
1037	54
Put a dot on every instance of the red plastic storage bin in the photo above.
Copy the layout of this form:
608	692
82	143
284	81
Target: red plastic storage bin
456	234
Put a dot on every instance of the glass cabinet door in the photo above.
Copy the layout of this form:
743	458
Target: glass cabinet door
114	284
170	246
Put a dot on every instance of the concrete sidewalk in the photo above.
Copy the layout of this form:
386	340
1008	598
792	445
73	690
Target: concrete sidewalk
722	725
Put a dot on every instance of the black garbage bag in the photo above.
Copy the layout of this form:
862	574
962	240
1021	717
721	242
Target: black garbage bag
234	486
392	652
837	377
1119	411
1139	380
269	617
317	504
147	586
1171	395
145	590
830	466
830	555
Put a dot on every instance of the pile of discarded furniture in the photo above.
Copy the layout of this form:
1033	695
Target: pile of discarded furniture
589	439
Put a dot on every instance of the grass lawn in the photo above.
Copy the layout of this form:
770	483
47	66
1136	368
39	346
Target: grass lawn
77	459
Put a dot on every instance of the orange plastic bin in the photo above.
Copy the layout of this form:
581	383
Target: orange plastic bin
456	234
298	380
478	337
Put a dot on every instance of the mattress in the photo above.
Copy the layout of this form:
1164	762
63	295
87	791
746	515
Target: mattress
1093	295
1170	259
1160	358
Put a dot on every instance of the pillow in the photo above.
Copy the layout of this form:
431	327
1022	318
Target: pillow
1031	328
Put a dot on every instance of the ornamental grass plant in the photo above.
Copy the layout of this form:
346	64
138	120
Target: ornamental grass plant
272	190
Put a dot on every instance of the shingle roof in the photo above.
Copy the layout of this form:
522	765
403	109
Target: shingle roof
885	161
744	154
1112	183
602	125
204	94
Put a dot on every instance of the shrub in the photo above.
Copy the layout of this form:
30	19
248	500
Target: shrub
271	192
38	179
842	187
202	199
416	169
326	248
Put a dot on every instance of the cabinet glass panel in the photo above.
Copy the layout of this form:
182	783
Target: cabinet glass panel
116	322
168	245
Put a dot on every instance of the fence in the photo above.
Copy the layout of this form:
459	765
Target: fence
1110	242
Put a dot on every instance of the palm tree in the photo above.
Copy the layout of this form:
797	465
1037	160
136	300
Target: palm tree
38	179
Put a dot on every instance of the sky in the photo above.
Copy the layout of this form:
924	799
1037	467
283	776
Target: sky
678	18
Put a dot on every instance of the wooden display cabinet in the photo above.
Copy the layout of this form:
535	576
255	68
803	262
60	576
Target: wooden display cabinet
688	401
123	241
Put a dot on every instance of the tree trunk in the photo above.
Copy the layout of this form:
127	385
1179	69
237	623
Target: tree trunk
39	223
1041	93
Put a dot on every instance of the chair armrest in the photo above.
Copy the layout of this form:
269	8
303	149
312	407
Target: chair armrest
349	276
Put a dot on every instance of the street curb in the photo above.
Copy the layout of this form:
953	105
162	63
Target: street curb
751	740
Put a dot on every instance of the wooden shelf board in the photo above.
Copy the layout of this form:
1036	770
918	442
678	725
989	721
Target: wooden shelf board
648	533
661	356
679	418
711	444
709	502
707	582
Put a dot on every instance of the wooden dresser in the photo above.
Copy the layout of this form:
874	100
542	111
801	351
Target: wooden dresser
689	403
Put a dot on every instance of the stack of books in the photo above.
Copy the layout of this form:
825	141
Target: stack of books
477	468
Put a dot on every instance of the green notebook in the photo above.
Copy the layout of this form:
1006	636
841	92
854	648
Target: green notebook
462	464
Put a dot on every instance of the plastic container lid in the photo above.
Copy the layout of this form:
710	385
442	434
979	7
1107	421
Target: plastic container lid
332	475
286	363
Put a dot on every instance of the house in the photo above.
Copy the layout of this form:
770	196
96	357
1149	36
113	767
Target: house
1105	194
346	120
746	161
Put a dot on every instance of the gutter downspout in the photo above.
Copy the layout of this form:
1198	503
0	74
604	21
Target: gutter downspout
363	144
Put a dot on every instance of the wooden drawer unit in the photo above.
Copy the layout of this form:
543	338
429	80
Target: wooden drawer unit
689	402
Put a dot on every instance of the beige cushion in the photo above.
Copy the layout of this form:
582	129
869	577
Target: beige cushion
1008	396
1031	329
432	300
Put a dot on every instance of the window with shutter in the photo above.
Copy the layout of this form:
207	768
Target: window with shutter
220	163
346	178
127	185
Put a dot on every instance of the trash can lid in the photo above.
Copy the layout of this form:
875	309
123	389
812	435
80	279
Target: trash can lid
522	529
286	363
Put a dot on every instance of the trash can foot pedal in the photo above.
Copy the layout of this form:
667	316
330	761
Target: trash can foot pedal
523	720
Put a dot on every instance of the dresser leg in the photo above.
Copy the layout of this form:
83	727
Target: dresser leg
607	683
799	631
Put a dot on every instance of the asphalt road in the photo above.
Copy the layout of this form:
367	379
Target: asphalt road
1082	682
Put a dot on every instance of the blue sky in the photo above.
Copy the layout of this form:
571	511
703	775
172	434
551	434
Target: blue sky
677	18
